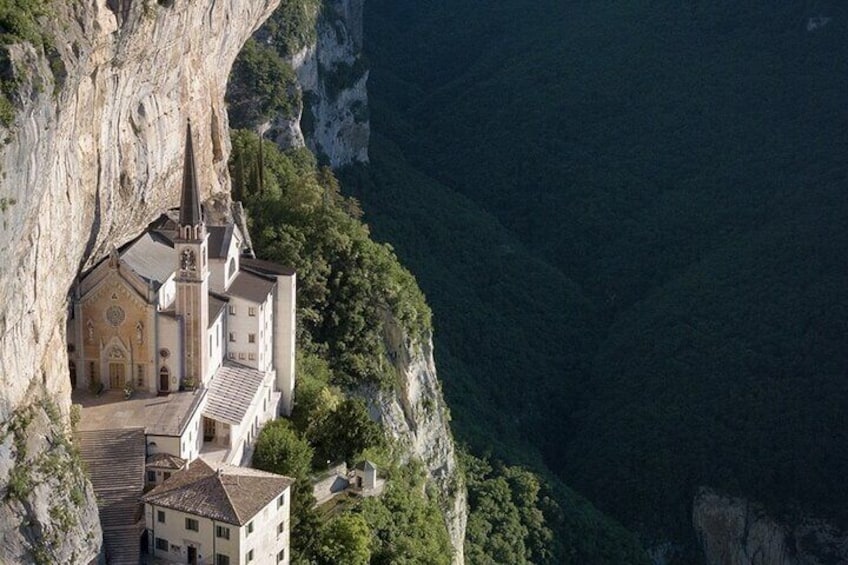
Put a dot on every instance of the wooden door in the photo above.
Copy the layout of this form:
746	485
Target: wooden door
164	377
192	555
208	429
117	378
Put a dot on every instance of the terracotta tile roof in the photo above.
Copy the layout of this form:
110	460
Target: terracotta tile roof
165	461
225	493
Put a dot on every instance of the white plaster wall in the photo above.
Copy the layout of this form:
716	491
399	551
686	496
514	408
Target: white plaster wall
215	339
167	293
169	338
264	541
191	439
164	444
284	340
175	532
241	324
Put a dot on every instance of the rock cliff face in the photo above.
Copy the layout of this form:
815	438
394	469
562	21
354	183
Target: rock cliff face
735	531
417	416
333	77
94	153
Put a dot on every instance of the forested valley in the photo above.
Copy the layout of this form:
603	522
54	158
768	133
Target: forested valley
629	221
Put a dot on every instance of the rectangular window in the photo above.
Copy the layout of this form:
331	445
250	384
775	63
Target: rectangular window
139	375
221	559
222	532
231	355
281	527
251	356
232	337
241	356
251	311
249	556
281	500
151	476
192	525
210	343
281	556
251	338
161	544
232	310
249	528
165	477
160	517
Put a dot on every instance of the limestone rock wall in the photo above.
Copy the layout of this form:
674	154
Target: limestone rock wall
93	155
735	531
333	79
417	416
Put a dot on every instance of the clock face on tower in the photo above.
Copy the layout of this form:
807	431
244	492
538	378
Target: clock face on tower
187	260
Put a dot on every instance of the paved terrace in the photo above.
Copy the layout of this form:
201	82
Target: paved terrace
158	415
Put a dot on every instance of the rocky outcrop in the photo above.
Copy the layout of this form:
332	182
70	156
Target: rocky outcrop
333	77
93	154
735	531
416	416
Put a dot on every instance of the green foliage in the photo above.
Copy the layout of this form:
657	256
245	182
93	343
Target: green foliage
347	283
280	450
406	526
344	432
262	86
19	21
342	75
292	26
515	517
631	256
345	539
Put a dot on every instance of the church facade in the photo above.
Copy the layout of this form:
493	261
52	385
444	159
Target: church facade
182	312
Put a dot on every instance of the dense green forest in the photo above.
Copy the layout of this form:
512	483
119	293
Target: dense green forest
346	284
629	220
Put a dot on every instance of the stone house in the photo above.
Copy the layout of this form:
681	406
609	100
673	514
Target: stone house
221	515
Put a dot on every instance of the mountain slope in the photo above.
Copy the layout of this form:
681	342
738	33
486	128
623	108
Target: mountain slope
669	183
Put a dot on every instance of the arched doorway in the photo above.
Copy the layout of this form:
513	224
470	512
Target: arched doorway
72	371
164	379
117	368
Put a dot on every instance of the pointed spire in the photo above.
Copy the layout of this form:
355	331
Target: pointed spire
190	203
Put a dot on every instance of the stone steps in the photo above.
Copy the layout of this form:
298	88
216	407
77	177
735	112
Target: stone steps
115	461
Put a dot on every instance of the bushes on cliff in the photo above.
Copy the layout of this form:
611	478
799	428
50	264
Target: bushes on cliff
262	87
347	283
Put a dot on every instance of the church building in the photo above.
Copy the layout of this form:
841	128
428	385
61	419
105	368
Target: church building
182	313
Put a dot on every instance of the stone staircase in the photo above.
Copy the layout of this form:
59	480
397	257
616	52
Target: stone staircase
115	460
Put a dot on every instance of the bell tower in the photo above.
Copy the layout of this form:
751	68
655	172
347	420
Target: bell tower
192	279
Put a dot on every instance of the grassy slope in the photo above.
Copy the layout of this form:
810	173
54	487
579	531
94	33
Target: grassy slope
632	224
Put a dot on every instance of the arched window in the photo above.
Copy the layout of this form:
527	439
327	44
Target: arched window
231	268
164	379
